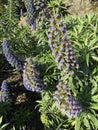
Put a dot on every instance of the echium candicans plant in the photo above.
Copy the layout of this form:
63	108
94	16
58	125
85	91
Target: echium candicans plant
31	79
66	62
10	57
31	13
42	8
61	6
60	46
83	85
4	92
65	101
36	11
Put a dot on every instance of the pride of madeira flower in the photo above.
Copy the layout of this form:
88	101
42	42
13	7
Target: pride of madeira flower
4	92
41	8
30	14
36	10
66	62
31	79
60	46
65	101
10	57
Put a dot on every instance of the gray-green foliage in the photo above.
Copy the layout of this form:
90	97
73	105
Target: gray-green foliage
83	32
9	19
20	37
59	6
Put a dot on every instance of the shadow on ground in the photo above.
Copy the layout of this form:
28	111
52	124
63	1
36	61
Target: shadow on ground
20	110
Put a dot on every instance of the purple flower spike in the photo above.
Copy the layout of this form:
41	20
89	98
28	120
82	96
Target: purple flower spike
61	45
4	92
31	11
21	12
66	102
31	79
10	56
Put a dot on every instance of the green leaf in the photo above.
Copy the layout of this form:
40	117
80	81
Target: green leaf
77	124
94	90
94	106
93	119
4	126
87	59
95	58
95	47
86	123
1	119
95	70
95	98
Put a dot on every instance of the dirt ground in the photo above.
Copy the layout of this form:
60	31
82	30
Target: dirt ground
81	7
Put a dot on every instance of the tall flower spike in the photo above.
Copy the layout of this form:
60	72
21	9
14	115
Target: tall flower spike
59	43
65	101
31	13
4	92
31	79
10	56
41	8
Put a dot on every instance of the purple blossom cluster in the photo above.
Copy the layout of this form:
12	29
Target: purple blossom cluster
31	13
40	4
65	101
66	61
41	8
10	56
34	9
4	92
31	79
60	46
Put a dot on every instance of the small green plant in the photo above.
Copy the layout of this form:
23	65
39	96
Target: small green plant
3	126
21	118
59	6
83	36
50	115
